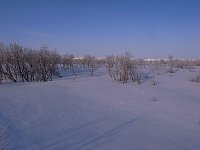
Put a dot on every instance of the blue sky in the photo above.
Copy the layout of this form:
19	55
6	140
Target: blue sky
148	28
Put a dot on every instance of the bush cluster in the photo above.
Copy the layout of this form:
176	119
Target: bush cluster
123	68
19	64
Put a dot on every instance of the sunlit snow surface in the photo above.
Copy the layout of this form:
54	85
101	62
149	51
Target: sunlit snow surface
86	112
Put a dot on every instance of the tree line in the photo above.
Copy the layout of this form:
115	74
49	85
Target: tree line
21	64
18	63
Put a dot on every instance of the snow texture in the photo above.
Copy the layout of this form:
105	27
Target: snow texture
90	113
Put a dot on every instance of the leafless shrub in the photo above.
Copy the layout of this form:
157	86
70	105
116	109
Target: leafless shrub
154	82
197	62
2	141
156	70
2	61
47	64
122	68
184	64
156	67
170	69
68	62
110	62
100	62
163	62
90	63
195	79
141	62
8	65
21	64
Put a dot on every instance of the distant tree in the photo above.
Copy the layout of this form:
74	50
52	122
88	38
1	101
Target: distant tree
197	62
22	64
2	144
141	63
90	62
110	61
195	79
68	62
2	57
9	68
170	69
47	64
122	68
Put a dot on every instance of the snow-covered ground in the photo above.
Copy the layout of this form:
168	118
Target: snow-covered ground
98	113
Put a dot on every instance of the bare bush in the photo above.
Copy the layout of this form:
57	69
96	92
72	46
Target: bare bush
2	141
195	79
156	67
8	66
21	64
156	70
68	62
47	64
110	62
170	69
141	62
122	68
184	64
197	62
90	63
2	61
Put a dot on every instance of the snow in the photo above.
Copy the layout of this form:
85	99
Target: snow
86	112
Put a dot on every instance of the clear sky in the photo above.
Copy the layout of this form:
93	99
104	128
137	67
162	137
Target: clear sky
148	28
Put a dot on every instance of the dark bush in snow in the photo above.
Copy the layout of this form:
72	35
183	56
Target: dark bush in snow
90	62
19	64
122	68
196	79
